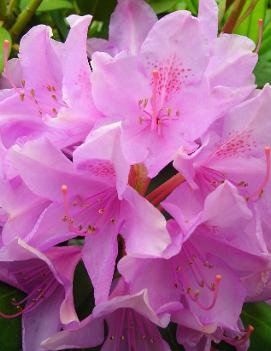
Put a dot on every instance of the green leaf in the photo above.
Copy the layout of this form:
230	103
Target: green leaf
4	35
60	22
49	5
225	347
193	6
266	41
10	329
263	72
83	292
221	10
100	9
23	4
259	316
161	6
169	334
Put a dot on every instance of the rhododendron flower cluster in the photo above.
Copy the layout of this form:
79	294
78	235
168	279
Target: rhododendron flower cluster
87	127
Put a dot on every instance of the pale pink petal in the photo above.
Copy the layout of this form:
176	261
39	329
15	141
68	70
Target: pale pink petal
104	143
130	23
208	17
144	229
99	255
41	322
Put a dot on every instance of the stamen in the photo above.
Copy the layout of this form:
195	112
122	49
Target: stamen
259	192
250	330
239	340
6	53
260	24
155	79
39	292
215	289
100	205
21	311
64	190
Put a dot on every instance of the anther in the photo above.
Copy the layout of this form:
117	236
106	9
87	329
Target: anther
218	279
32	92
90	229
64	189
250	329
260	25
145	102
155	75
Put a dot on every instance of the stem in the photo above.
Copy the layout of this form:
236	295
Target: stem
247	13
229	3
160	193
24	18
138	178
236	11
11	6
3	9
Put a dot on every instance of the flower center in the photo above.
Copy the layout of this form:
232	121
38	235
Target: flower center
167	80
154	113
191	274
102	208
213	178
132	333
37	281
46	100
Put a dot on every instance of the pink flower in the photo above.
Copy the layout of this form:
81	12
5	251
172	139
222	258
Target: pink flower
235	151
47	281
92	201
166	96
205	269
201	339
22	209
49	89
129	24
132	325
